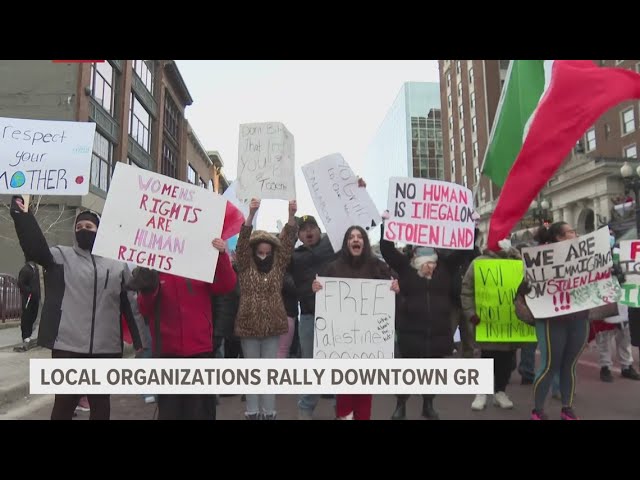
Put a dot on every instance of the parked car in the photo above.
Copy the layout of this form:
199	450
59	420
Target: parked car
10	303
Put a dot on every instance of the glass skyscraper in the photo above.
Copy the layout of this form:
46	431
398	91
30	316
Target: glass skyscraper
408	143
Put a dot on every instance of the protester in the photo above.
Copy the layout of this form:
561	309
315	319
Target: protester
502	353
85	296
356	260
423	325
180	319
262	262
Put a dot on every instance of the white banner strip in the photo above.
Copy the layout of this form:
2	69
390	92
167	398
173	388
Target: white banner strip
260	376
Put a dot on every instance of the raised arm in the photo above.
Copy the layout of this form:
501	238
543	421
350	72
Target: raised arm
396	260
243	249
288	237
30	236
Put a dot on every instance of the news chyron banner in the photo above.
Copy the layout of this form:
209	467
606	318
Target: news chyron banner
451	376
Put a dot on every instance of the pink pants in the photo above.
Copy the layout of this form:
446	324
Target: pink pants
286	339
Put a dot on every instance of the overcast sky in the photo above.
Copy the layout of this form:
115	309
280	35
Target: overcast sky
328	106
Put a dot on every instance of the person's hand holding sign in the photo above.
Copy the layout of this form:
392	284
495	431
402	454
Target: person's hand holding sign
253	209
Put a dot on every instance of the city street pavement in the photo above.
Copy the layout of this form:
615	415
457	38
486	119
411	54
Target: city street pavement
594	400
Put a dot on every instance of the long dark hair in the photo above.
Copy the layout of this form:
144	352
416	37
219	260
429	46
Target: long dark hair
549	235
366	256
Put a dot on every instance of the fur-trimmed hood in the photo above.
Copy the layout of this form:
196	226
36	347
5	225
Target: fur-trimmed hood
260	236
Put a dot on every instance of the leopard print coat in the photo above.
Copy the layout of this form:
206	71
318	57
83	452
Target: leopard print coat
261	312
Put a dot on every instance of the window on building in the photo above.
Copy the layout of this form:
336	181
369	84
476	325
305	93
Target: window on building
448	79
144	70
464	159
102	80
476	175
473	101
471	75
628	121
459	89
101	162
192	175
458	66
140	124
451	146
450	122
591	139
464	180
202	183
460	111
169	160
473	125
630	151
475	149
462	135
453	169
449	100
607	131
171	116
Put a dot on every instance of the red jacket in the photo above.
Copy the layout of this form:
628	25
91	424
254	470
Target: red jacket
184	308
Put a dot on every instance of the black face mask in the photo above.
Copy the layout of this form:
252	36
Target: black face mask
265	265
85	239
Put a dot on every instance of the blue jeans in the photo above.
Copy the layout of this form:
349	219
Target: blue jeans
306	327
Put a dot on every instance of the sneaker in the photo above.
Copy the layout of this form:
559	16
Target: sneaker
268	416
305	415
479	403
630	373
83	405
500	399
150	399
567	413
251	416
605	375
538	415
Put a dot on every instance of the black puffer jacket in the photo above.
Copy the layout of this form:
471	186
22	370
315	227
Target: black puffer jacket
306	263
425	304
289	296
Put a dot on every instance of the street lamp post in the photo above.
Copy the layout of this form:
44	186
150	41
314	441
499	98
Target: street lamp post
632	182
540	211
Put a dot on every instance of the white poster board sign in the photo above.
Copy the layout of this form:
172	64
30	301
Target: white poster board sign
43	157
354	318
338	199
266	162
629	258
160	223
570	276
430	213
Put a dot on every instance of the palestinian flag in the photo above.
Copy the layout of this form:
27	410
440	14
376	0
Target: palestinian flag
576	94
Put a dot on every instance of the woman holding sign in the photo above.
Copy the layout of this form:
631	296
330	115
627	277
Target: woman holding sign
85	296
561	340
262	261
356	260
423	326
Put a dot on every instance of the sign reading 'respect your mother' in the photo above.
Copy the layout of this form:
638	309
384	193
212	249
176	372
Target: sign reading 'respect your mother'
430	213
160	223
45	157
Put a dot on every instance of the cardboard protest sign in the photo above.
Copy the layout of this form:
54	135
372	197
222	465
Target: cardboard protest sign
354	318
430	213
338	199
45	157
266	162
571	276
629	258
496	284
160	223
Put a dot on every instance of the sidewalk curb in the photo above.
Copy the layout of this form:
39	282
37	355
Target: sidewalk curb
19	391
10	324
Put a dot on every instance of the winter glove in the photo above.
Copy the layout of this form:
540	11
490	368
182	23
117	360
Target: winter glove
144	280
15	210
475	320
617	272
524	289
